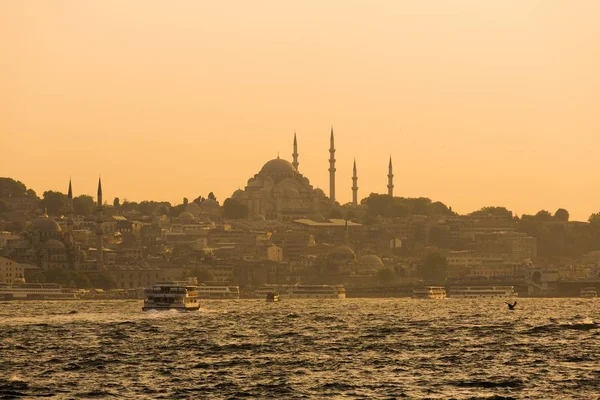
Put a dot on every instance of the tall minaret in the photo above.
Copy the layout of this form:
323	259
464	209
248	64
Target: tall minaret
331	168
390	185
295	153
354	185
70	211
99	255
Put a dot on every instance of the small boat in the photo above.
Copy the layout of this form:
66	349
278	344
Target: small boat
588	292
182	296
272	297
430	292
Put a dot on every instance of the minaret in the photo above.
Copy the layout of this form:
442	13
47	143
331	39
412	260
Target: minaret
390	185
70	212
332	168
99	255
295	153
354	185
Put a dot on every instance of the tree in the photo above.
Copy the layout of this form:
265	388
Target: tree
55	203
350	215
212	196
335	213
501	212
385	275
84	205
116	202
543	215
185	201
11	188
434	268
561	215
594	219
233	209
31	194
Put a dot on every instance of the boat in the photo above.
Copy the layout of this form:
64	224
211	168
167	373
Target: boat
36	291
272	297
589	291
175	295
481	291
218	292
430	292
316	292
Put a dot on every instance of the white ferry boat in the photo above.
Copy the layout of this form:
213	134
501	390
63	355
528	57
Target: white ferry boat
316	292
177	295
35	291
430	292
218	292
588	292
481	291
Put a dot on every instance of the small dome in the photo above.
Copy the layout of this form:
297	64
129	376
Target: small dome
53	244
238	193
186	215
209	204
45	225
371	260
278	166
342	251
192	207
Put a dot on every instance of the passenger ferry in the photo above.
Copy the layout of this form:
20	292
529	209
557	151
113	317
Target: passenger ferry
35	291
316	292
430	292
588	292
176	295
218	292
481	291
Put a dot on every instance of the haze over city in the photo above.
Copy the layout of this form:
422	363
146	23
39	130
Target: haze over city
478	103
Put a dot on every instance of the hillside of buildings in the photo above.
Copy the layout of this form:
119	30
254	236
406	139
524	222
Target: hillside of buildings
380	241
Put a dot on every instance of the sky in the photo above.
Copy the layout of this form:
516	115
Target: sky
479	103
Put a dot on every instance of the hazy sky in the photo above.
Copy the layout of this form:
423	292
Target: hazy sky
478	102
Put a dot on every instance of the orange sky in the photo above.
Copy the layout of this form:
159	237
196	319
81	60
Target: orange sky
478	102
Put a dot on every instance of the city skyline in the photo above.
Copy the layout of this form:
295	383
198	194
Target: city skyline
478	105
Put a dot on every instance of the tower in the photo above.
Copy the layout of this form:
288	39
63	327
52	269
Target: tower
99	255
331	168
70	211
390	185
354	185
295	153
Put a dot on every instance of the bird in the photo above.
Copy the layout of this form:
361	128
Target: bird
511	306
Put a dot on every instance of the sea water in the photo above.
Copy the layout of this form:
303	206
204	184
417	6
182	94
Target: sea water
353	348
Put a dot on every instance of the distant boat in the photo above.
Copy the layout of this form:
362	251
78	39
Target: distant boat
35	291
272	297
175	295
430	292
589	291
216	292
481	291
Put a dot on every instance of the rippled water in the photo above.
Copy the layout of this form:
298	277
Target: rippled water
355	348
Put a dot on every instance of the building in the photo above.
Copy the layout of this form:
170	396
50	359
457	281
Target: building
10	270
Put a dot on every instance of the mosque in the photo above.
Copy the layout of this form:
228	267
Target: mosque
280	192
46	245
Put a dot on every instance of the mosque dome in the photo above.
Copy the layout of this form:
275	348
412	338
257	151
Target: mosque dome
278	166
238	193
53	244
342	251
45	225
186	215
371	260
209	204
